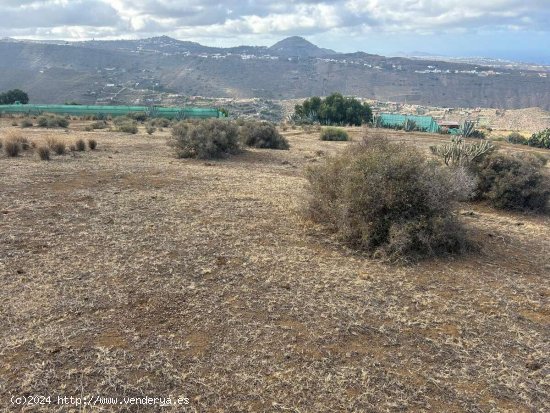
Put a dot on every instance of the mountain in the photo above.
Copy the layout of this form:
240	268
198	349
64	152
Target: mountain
165	70
296	46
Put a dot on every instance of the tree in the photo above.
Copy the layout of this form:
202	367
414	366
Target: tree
12	96
335	109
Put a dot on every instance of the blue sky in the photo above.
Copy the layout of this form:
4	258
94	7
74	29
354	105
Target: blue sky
513	29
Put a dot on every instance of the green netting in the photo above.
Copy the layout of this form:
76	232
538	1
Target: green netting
96	110
397	121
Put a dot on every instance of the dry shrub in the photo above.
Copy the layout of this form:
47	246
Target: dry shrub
92	144
126	125
26	123
1	143
388	200
12	148
43	153
56	145
334	134
80	145
515	182
53	121
207	139
262	135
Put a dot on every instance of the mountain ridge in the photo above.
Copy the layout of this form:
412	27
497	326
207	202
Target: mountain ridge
149	70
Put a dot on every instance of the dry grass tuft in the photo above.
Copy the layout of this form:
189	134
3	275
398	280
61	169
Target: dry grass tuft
92	144
44	153
80	145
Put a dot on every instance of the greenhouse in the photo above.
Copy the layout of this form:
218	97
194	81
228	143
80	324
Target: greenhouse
103	111
399	121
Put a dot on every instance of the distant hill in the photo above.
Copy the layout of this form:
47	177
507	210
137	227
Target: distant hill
300	47
163	69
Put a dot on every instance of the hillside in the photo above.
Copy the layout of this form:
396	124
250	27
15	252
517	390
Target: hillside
148	70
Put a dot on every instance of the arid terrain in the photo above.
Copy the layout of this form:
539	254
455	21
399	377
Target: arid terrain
128	272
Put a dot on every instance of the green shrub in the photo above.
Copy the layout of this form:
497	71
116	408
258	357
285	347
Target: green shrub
334	134
92	144
26	123
80	145
208	139
43	153
515	182
262	135
540	139
388	200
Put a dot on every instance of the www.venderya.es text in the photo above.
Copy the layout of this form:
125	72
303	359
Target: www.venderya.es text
99	401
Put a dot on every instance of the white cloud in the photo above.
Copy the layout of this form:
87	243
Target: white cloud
260	18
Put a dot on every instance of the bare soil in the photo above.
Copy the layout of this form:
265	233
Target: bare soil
127	272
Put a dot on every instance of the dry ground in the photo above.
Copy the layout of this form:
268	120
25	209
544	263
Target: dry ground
126	271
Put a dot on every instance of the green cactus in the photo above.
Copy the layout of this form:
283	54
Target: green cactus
409	125
457	152
468	128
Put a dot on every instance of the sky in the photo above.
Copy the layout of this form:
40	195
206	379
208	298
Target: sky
508	29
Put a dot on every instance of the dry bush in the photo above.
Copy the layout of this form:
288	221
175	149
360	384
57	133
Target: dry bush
150	129
43	153
26	123
1	143
56	145
262	135
53	121
334	134
99	125
388	200
72	148
515	182
208	139
80	145
12	148
92	144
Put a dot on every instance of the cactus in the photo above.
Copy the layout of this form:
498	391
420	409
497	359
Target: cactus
457	152
409	125
468	128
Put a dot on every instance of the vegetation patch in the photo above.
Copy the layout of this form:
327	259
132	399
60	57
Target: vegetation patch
388	200
515	182
92	144
43	153
56	145
334	134
208	139
53	121
333	110
262	135
26	123
126	125
80	145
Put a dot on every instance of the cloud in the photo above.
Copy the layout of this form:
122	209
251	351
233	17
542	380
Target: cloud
196	19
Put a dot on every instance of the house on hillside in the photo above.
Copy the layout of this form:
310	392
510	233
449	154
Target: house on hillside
449	124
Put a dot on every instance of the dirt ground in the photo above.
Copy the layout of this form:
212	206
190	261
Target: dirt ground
127	272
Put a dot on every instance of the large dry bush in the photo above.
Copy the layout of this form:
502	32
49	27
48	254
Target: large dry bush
261	134
387	199
207	139
515	182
